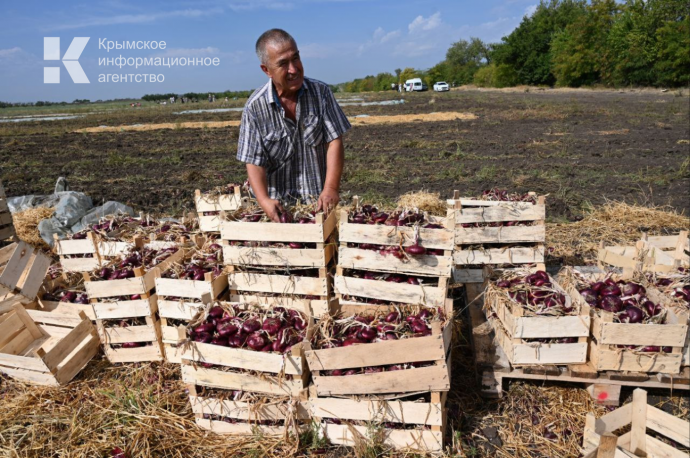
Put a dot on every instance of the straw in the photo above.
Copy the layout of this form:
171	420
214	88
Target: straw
26	225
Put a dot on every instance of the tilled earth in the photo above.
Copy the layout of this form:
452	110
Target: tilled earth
579	147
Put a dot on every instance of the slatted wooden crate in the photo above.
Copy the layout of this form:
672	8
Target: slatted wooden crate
102	293
85	255
231	366
641	417
514	330
522	244
246	417
64	282
433	348
209	206
310	307
190	298
22	270
431	267
44	348
6	225
607	336
390	419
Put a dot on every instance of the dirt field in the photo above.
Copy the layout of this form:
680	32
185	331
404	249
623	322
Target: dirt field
579	147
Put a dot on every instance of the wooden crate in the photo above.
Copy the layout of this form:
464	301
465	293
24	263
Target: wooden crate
193	295
275	232
607	335
69	308
640	416
270	366
85	255
146	307
214	204
6	226
434	348
44	348
514	328
247	414
22	270
522	244
430	416
320	256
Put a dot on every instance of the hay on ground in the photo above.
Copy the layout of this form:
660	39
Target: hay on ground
26	225
614	223
425	201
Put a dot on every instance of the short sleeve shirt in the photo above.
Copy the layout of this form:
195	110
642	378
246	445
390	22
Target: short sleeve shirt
293	153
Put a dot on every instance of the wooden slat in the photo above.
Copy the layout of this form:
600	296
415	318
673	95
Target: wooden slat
9	327
112	288
393	235
423	440
638	428
118	335
355	258
672	427
314	307
134	355
396	292
281	284
79	264
420	413
66	320
6	232
222	202
502	234
210	223
33	377
243	359
288	257
4	208
608	360
429	348
110	249
234	381
517	211
5	218
32	363
662	450
671	335
18	343
125	309
184	288
430	378
276	232
221	427
512	255
67	308
69	247
78	359
179	310
14	270
244	410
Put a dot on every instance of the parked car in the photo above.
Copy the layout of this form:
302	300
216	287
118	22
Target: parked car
415	84
441	86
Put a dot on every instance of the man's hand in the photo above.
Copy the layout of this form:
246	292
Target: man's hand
328	200
272	208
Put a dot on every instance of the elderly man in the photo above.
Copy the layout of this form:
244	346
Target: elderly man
290	137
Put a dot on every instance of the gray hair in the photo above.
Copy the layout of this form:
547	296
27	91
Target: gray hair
274	37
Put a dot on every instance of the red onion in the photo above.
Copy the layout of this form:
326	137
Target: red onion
392	317
216	312
415	250
611	303
271	326
226	329
351	341
285	217
251	325
202	337
610	290
412	281
630	289
598	286
204	328
220	340
366	333
589	295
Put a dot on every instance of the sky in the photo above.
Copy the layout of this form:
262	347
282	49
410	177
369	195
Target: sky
339	40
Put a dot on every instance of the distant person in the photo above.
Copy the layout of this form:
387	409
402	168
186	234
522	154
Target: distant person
291	132
226	100
209	98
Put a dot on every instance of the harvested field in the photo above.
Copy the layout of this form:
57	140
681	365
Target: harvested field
545	141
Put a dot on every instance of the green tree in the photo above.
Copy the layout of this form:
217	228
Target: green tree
527	48
673	57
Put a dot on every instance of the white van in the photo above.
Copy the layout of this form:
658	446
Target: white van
415	84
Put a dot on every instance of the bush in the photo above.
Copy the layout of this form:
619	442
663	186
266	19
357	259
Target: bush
496	76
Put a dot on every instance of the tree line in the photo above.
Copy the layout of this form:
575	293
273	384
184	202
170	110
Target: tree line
569	43
198	95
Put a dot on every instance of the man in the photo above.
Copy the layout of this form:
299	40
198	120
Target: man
290	136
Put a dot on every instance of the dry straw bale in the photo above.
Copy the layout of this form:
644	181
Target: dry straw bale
26	225
425	201
614	223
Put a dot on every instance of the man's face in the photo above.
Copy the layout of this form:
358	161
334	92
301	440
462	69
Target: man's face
284	67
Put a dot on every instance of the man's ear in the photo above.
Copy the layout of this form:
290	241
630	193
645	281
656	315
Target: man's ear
265	70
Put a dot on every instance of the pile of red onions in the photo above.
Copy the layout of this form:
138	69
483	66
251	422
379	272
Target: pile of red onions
64	295
367	214
675	285
363	329
293	245
124	268
391	278
274	330
196	267
502	195
396	250
627	300
535	292
367	300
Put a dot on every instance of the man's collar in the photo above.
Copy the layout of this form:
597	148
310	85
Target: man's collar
272	94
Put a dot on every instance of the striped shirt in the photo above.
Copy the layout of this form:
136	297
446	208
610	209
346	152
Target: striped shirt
293	153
